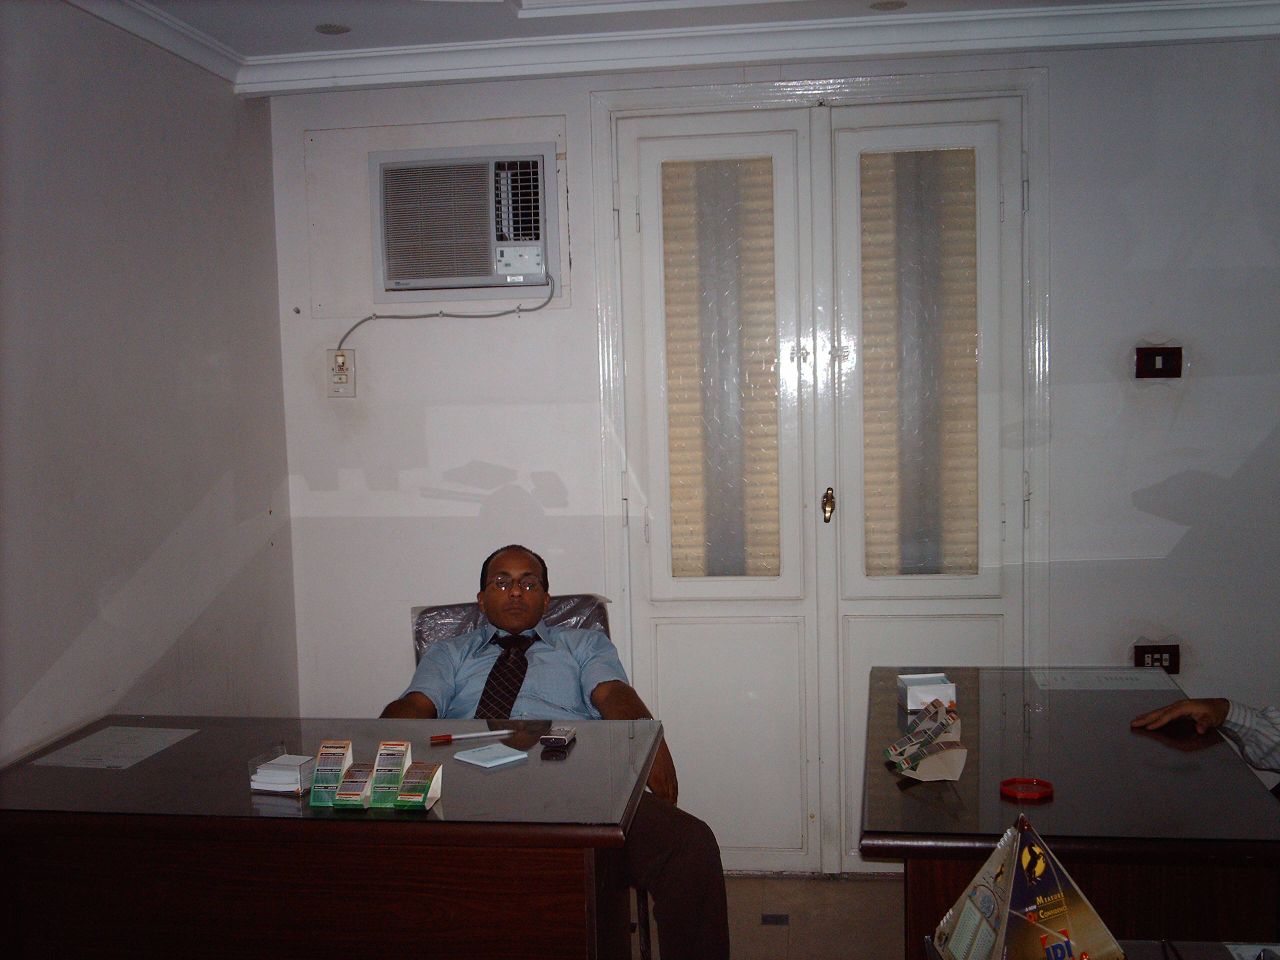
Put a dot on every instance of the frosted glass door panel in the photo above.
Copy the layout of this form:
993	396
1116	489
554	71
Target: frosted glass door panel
920	250
920	361
719	245
722	367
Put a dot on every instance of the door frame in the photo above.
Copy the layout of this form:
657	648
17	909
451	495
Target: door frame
1030	86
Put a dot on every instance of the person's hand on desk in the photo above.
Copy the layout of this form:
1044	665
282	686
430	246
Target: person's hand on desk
618	701
1206	714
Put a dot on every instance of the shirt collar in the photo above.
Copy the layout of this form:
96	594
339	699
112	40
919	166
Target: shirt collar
539	631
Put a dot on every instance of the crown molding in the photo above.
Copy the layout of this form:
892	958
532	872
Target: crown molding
145	21
1097	24
570	8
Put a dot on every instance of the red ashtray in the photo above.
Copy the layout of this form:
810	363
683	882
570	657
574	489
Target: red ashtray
1026	790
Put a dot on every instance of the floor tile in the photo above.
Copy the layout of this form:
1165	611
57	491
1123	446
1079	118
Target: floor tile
828	917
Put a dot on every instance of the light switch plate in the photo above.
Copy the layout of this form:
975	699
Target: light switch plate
1163	362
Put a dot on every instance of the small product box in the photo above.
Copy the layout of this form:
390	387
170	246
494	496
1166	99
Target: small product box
917	690
332	760
355	790
420	787
388	770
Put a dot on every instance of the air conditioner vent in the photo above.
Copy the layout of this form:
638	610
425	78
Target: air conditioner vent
416	201
517	200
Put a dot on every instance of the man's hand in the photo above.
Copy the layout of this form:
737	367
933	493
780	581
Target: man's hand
618	701
662	775
413	705
1207	714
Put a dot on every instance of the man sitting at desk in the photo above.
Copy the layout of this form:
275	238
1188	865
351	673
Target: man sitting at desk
575	674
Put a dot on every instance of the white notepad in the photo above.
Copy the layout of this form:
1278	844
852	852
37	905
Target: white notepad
494	755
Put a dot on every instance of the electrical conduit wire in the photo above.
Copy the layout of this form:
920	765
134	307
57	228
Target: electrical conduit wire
517	310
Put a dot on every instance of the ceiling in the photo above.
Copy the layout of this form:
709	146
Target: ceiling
269	47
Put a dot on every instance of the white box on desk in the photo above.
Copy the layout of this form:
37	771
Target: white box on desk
917	690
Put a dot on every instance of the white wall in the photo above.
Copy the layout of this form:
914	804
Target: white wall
464	435
1163	503
1166	225
146	549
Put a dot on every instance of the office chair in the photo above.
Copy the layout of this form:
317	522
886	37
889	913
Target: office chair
433	624
586	610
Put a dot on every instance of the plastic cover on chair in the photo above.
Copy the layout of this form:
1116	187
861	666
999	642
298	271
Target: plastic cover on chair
433	624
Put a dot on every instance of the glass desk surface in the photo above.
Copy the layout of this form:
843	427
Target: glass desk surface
1070	726
207	773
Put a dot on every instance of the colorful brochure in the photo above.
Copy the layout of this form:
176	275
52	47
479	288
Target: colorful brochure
931	750
332	760
936	761
934	722
1022	905
356	786
420	787
394	756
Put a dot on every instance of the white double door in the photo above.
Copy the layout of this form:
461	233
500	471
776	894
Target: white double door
814	298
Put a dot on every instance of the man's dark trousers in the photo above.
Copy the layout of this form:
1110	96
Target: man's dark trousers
675	857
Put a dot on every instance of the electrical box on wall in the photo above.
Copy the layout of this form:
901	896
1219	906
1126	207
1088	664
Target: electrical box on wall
1163	362
341	373
1166	655
464	218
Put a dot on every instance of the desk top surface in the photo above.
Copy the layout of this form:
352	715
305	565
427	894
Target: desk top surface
207	773
1069	726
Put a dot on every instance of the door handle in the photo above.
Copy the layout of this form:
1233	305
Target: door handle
828	505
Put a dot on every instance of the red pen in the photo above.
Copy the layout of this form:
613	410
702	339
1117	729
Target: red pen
442	738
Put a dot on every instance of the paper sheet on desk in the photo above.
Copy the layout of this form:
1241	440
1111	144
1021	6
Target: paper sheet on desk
1102	678
114	748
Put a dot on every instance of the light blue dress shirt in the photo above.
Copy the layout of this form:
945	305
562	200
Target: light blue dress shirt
565	665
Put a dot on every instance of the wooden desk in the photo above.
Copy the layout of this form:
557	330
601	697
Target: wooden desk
1167	837
175	855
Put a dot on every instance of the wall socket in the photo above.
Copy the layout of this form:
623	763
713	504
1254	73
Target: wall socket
1165	655
340	373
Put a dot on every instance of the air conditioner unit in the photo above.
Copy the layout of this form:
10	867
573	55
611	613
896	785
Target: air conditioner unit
452	218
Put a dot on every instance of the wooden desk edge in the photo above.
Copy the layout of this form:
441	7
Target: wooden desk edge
905	846
14	824
634	800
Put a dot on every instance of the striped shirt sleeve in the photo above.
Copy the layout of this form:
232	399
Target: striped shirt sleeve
1257	731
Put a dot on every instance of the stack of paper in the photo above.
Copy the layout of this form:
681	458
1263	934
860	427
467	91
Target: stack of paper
287	773
917	690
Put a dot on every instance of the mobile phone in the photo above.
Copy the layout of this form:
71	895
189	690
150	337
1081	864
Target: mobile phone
558	753
558	736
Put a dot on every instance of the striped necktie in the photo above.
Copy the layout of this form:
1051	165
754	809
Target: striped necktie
505	678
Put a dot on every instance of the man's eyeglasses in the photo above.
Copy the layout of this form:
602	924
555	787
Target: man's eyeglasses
526	584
